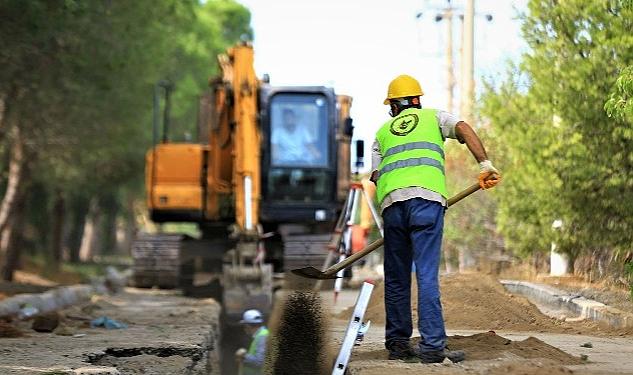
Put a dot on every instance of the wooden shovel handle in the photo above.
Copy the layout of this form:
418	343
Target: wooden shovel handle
379	242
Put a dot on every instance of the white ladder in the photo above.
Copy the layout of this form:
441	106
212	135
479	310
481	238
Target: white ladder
353	327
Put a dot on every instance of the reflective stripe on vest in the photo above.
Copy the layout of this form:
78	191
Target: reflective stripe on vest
410	163
412	147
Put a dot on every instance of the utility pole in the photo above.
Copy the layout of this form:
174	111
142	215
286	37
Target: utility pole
468	82
450	76
447	14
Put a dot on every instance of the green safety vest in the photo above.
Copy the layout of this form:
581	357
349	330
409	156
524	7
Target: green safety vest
412	149
262	334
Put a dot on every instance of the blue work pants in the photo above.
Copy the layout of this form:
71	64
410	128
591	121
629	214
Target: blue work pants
413	234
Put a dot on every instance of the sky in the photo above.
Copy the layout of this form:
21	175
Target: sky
359	46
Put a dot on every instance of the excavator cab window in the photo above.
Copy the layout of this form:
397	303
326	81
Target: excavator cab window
299	148
299	130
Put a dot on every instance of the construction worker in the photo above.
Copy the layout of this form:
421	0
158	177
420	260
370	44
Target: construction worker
251	361
408	170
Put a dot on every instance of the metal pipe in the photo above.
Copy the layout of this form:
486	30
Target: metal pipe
155	115
248	210
448	16
166	113
468	59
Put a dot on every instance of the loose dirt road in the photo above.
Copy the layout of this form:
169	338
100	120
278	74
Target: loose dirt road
170	334
166	334
524	341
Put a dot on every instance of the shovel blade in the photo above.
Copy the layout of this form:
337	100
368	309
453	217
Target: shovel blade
312	273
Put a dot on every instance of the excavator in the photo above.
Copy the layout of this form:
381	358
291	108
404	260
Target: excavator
264	183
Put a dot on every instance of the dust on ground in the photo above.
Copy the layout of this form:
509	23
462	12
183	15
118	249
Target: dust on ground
528	367
480	302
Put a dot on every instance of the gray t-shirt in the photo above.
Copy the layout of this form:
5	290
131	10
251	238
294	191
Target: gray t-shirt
447	122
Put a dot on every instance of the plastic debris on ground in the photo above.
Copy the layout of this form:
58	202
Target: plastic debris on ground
27	311
107	323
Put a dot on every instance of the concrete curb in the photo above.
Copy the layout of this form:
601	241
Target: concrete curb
51	300
575	304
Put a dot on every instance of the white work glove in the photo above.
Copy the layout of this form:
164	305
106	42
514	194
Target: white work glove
240	353
489	176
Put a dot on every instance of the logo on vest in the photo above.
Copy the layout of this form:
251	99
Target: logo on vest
404	125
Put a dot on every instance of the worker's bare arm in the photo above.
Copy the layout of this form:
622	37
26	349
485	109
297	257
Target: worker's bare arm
467	135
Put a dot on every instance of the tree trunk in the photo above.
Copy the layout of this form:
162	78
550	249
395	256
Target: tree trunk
12	241
79	208
7	207
57	228
3	107
462	259
448	258
108	214
129	229
465	257
90	236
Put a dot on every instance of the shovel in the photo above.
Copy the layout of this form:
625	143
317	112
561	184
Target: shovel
330	273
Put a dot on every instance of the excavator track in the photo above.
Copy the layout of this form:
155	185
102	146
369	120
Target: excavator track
157	260
302	250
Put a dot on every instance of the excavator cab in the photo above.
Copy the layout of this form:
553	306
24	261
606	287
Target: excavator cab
299	158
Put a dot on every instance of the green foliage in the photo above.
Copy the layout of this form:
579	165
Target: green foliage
218	25
620	103
563	156
469	225
77	78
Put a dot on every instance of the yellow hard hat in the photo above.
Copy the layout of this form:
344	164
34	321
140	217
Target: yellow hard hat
403	86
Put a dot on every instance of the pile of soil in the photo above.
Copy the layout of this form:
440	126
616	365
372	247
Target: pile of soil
489	345
479	302
475	301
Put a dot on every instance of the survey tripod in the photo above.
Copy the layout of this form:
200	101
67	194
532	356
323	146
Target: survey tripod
340	245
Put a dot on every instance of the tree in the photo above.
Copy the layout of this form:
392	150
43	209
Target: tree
76	84
620	103
564	157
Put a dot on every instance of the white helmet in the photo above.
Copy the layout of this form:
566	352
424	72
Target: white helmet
252	317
